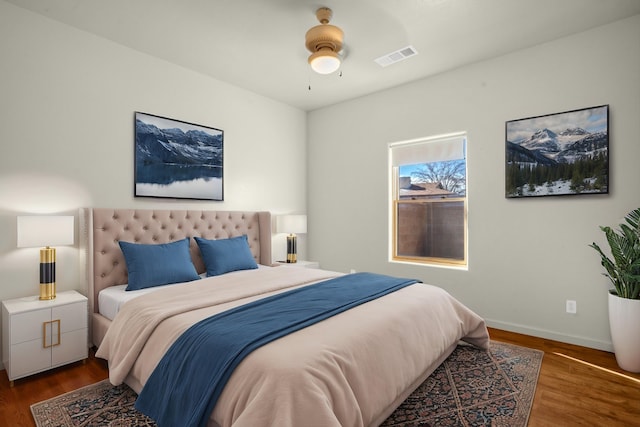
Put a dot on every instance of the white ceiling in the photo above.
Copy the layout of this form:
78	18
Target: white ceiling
259	44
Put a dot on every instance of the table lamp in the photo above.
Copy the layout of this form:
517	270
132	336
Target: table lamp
41	230
291	224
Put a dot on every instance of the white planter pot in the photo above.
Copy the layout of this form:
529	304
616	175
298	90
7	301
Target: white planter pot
624	319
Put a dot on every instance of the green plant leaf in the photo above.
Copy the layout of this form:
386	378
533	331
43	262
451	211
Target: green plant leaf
624	244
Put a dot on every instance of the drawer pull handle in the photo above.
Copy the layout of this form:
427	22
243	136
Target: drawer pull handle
44	333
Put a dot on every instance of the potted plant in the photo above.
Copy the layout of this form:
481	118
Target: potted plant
624	300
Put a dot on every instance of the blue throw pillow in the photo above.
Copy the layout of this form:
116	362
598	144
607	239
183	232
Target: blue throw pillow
156	265
225	255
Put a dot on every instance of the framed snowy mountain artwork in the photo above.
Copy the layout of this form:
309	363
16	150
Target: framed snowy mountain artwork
558	154
177	159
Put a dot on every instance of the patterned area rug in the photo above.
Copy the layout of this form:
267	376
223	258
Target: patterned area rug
471	388
475	388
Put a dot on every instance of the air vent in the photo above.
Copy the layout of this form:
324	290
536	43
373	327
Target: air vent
397	56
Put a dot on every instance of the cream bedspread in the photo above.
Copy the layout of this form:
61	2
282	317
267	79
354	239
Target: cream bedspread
350	370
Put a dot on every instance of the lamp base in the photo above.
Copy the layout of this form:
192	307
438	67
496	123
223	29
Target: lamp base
47	291
47	273
291	249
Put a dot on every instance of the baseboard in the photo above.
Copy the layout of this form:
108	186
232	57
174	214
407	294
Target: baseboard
551	335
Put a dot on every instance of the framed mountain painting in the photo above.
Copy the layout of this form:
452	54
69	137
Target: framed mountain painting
558	154
177	159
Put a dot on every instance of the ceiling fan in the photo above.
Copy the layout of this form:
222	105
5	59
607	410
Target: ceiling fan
324	41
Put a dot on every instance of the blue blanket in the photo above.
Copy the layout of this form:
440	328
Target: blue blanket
186	384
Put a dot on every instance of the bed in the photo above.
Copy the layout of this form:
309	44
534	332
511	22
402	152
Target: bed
351	369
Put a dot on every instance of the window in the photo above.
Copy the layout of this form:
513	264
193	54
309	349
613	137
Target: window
429	200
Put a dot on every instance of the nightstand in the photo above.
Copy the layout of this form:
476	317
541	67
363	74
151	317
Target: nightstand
39	335
300	263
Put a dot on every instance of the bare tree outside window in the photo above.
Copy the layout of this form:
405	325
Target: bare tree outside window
450	176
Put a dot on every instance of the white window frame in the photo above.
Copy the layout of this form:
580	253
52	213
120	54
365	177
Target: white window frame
443	147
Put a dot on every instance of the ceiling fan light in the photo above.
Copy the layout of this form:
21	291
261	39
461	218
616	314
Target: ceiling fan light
324	61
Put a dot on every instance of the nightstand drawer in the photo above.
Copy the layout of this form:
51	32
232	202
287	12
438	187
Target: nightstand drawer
28	358
28	326
71	316
73	346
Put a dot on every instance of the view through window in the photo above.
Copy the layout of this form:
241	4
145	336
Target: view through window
429	200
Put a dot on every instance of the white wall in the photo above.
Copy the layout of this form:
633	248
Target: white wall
526	256
67	111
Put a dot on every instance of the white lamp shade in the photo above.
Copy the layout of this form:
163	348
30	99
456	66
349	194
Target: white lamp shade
41	230
294	224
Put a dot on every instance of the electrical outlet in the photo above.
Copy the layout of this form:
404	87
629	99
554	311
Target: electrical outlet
353	270
571	306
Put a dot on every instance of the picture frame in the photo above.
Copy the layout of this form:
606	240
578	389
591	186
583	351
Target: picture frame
558	154
177	159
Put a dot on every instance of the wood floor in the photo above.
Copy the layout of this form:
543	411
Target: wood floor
577	387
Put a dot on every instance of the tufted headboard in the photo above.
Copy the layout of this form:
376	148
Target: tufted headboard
105	227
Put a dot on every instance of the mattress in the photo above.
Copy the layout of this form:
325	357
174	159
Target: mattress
111	299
